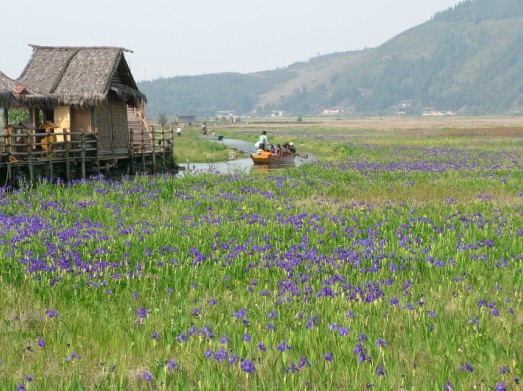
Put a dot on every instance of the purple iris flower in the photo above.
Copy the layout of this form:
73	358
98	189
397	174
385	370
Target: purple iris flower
247	366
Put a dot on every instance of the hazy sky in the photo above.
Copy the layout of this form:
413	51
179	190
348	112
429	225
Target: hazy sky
194	37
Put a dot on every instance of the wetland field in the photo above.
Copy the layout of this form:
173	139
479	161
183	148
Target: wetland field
394	261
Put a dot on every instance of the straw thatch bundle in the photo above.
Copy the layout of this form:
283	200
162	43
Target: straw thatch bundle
13	94
7	85
81	76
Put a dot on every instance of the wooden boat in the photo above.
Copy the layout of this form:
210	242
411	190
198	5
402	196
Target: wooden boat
264	157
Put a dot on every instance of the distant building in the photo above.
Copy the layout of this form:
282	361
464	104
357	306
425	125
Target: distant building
277	113
227	115
185	119
332	112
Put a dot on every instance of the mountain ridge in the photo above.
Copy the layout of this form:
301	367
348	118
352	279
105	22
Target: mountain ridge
467	59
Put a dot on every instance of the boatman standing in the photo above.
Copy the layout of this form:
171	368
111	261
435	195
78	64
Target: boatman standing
264	141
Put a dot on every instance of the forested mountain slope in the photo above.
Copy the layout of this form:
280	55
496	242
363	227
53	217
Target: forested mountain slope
466	59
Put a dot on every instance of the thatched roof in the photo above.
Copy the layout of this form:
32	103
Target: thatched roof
81	76
13	94
6	91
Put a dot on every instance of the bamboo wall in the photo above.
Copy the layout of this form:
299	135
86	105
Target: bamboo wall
111	119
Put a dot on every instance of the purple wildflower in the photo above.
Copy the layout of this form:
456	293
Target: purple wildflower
142	312
72	356
172	364
328	356
501	386
292	368
381	342
283	347
182	337
467	366
155	335
51	313
240	313
221	355
311	322
147	376
247	366
380	371
303	362
234	359
40	342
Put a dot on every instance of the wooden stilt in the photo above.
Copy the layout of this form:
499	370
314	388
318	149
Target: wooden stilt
67	160
82	151
153	141
143	149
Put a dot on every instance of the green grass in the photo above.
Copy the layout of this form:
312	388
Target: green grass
417	245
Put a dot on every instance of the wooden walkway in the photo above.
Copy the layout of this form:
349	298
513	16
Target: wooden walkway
77	154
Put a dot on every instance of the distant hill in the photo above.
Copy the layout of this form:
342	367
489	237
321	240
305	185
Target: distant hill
466	59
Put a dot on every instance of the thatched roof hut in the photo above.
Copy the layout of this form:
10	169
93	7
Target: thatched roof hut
81	76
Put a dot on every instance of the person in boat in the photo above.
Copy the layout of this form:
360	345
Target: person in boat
292	149
285	150
263	142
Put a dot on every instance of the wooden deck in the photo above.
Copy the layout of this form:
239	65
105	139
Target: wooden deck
77	154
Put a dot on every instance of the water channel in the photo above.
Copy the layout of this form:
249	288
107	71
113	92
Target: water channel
241	164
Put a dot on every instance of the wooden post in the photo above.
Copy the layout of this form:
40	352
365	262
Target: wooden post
9	148
131	147
67	157
97	151
50	159
171	151
153	141
30	156
82	152
143	149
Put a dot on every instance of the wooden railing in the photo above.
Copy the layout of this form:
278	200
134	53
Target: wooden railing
26	149
31	149
154	143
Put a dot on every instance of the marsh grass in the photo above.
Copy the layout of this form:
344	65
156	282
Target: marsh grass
192	147
395	264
